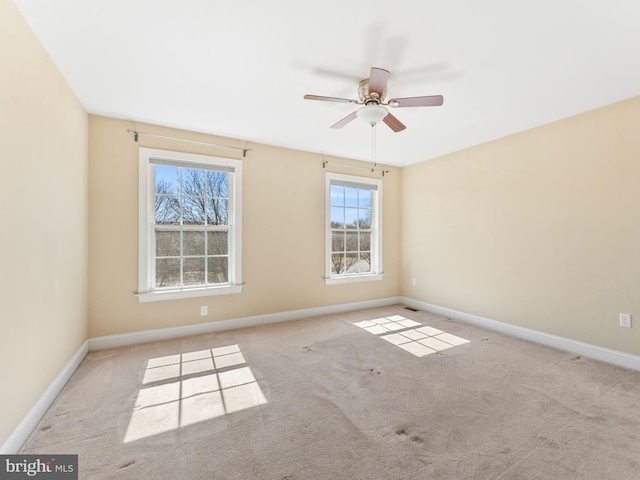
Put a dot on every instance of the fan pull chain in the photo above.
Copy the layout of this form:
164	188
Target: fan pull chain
373	146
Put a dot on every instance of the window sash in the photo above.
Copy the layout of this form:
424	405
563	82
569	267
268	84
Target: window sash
205	255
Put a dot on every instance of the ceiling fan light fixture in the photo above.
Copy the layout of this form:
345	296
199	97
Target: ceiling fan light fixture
372	114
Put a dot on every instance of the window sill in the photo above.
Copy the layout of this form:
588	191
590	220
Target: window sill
353	279
190	293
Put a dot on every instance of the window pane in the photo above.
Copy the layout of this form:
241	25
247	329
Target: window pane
217	243
193	271
351	261
352	242
364	264
168	272
364	220
167	180
337	242
218	270
217	184
167	209
351	196
193	210
337	263
365	261
217	211
351	217
365	241
167	244
337	195
193	182
364	198
337	217
193	243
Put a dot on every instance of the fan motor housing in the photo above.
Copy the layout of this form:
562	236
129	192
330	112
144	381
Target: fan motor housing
366	97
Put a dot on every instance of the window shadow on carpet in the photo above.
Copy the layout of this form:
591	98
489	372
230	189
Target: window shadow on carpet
411	336
183	389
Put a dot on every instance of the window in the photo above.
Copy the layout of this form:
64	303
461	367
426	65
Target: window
353	229
190	225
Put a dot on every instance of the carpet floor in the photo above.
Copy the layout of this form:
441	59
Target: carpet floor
385	393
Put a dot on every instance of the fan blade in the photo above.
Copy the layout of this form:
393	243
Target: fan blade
378	81
431	101
345	120
393	123
329	99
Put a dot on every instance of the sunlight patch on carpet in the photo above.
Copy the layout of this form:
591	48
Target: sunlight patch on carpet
420	342
180	390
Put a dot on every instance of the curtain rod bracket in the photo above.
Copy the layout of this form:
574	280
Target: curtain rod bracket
135	134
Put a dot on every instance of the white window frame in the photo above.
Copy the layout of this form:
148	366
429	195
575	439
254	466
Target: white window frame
376	272
146	243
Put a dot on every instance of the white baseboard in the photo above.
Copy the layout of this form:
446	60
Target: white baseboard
15	441
613	357
120	340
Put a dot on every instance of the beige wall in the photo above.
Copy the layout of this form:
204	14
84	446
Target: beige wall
283	233
43	193
539	229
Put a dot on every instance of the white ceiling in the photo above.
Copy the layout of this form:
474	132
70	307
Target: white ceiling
240	68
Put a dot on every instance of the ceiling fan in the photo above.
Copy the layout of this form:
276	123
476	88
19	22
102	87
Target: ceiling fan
372	92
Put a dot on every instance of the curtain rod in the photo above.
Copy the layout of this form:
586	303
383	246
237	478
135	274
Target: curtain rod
136	134
324	164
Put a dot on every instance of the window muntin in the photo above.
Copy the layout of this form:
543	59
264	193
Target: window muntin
353	227
190	233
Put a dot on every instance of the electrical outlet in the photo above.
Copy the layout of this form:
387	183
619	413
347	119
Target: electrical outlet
413	282
625	320
204	310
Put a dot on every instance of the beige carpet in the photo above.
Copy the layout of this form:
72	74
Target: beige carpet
324	398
